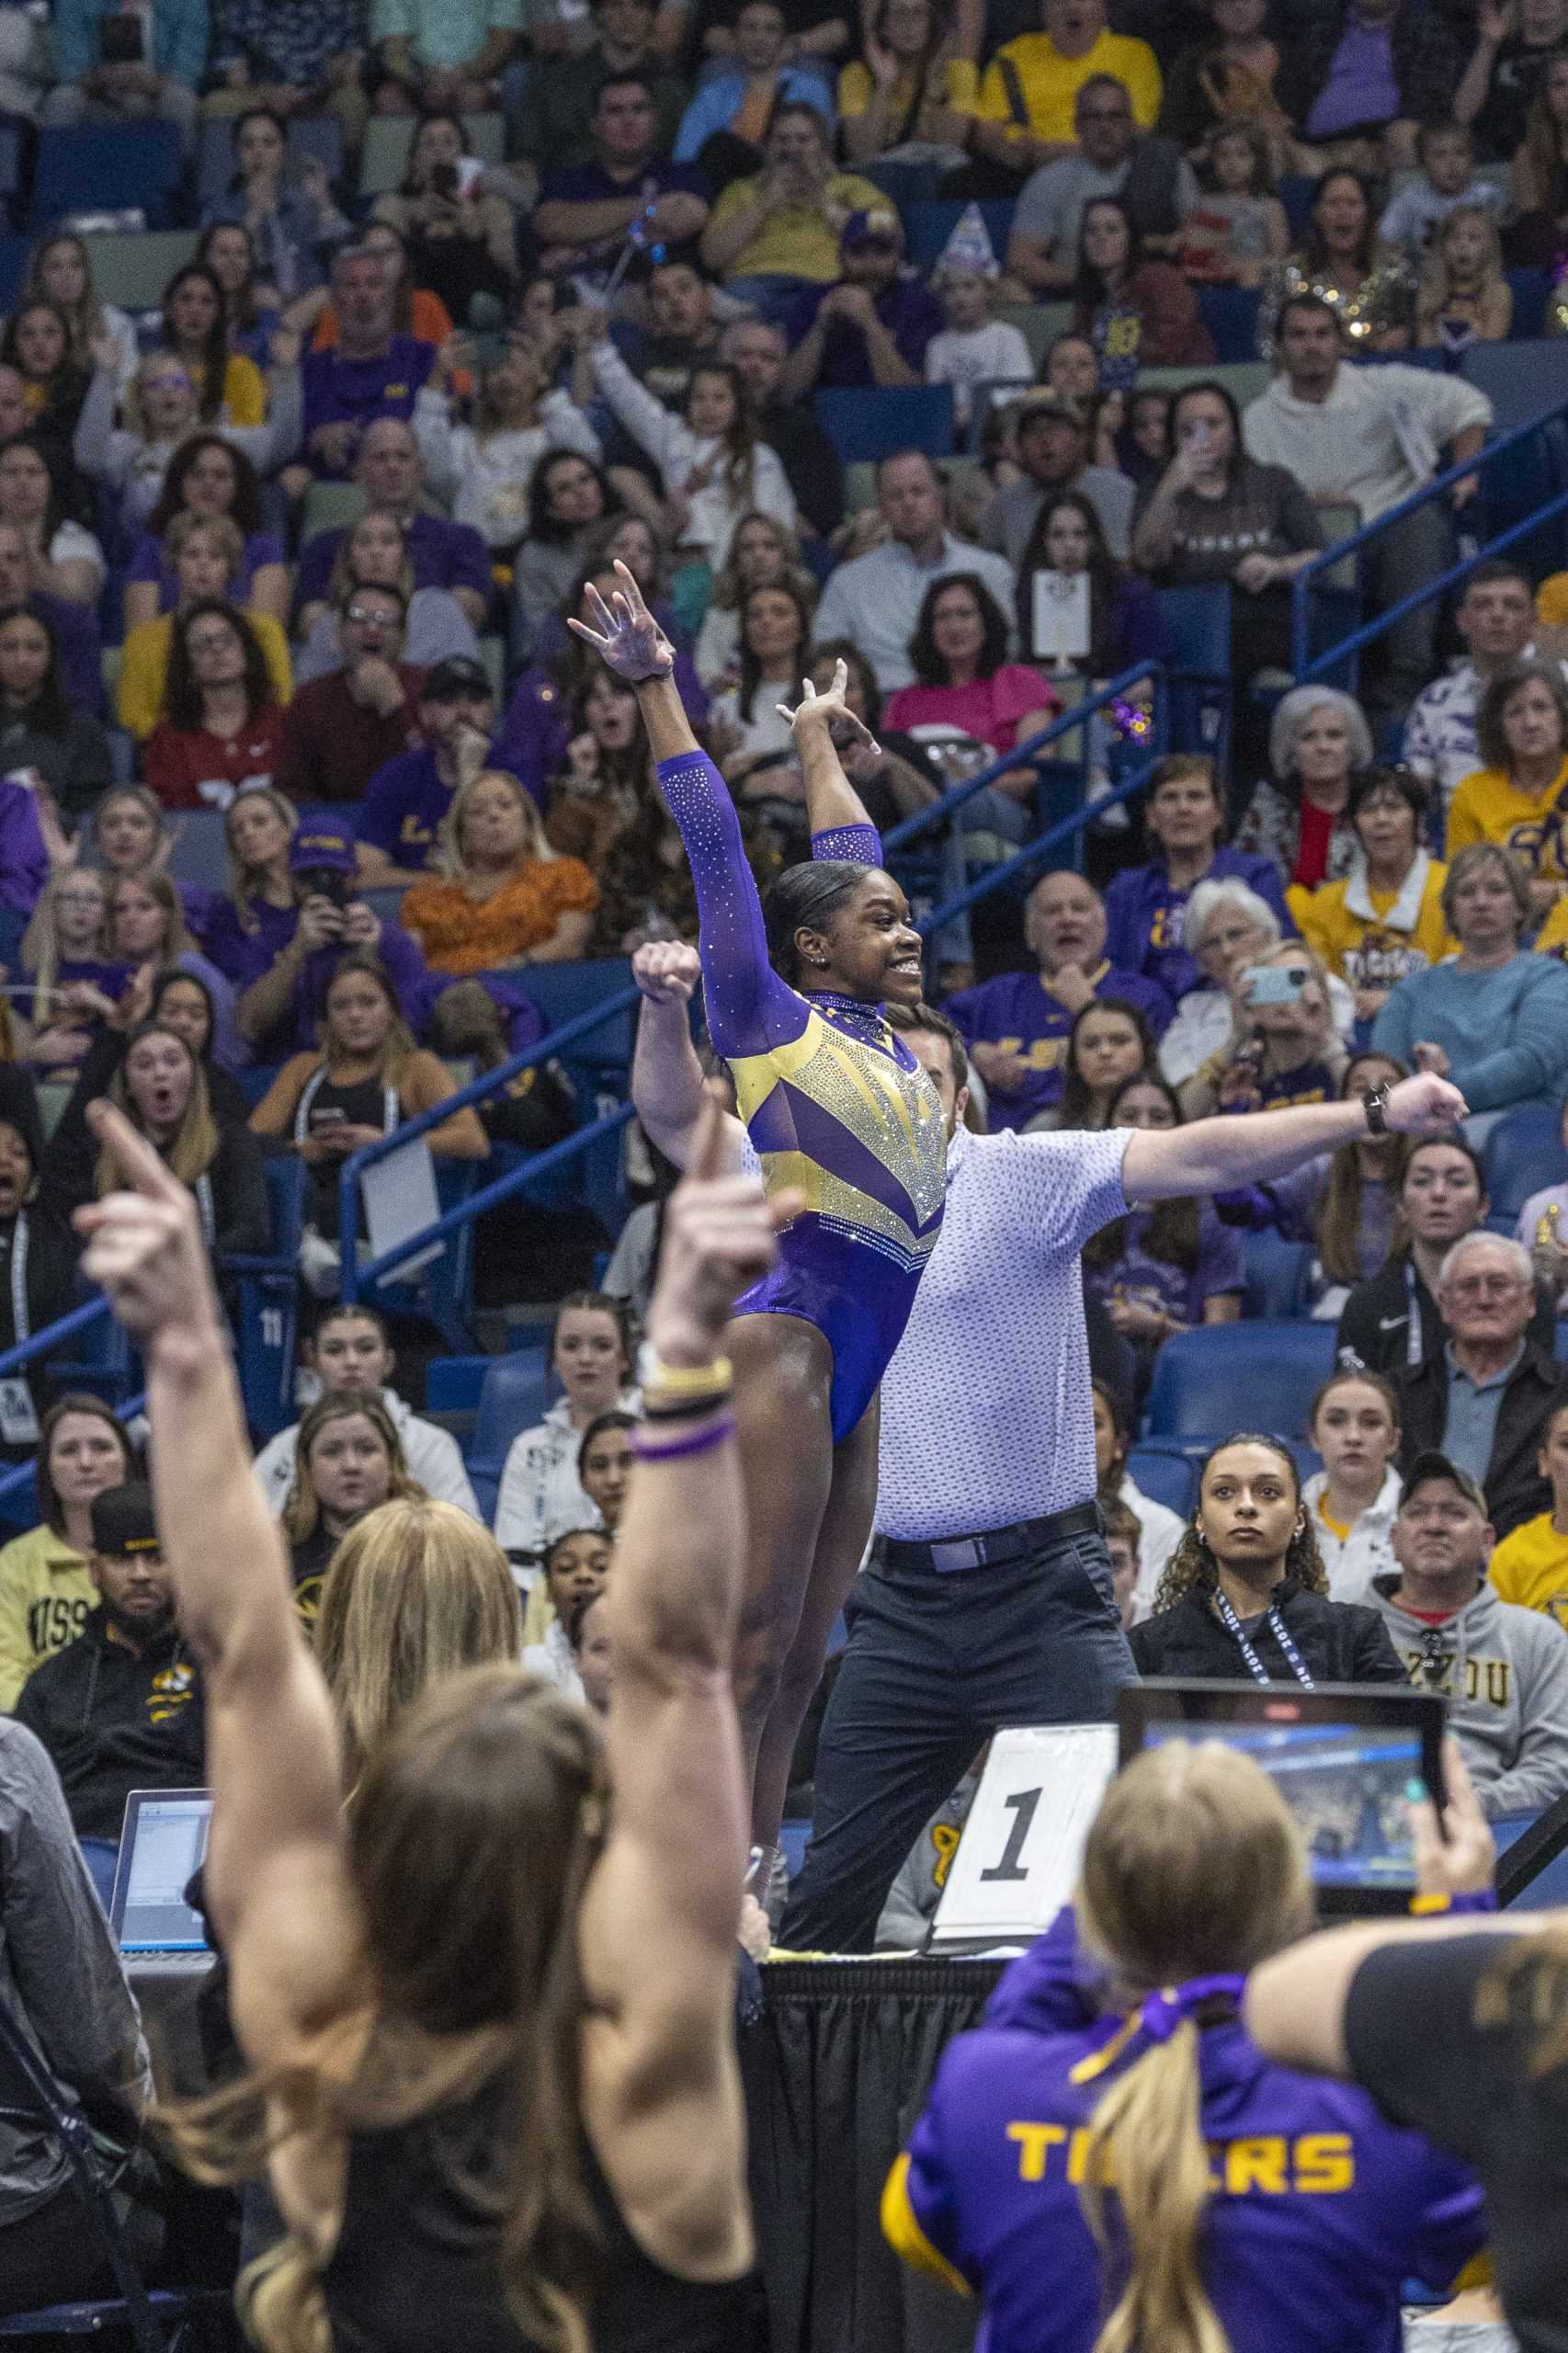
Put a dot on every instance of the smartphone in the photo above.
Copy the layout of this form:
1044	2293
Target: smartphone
330	1115
444	181
1274	984
1198	436
327	882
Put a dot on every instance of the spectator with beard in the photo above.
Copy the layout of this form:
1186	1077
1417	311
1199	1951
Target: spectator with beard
756	350
119	1708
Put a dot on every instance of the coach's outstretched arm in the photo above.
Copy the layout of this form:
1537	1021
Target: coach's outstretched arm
1250	1147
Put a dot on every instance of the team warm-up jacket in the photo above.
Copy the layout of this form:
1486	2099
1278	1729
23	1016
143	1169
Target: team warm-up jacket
1320	2208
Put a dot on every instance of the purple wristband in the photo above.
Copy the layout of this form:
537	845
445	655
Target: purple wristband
1481	1899
697	1442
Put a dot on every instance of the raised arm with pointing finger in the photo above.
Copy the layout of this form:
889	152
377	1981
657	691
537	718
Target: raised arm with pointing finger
504	1938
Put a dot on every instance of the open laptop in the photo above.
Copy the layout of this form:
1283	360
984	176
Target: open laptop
1345	1757
161	1847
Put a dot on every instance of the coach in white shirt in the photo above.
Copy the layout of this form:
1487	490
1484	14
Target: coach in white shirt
988	1602
351	1351
1371	437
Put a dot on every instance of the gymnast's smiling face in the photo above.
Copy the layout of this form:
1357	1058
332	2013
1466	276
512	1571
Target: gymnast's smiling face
866	947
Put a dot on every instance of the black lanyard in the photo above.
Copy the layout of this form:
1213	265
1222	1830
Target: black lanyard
1255	1669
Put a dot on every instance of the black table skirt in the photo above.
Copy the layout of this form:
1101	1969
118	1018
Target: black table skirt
836	2070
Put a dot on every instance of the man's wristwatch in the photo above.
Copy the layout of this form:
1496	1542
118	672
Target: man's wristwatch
1375	1103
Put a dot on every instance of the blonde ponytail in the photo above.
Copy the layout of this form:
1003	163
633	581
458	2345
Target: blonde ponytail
1146	2143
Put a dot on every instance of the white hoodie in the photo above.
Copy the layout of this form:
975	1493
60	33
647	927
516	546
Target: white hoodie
1367	1552
430	1452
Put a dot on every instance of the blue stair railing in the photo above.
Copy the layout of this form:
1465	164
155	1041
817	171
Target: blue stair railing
356	1279
1304	665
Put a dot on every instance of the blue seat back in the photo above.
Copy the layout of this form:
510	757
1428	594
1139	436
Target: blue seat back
513	1399
1166	1474
1520	380
1524	1151
200	851
1274	1272
1229	313
268	1304
866	423
103	166
1198	622
1239	1376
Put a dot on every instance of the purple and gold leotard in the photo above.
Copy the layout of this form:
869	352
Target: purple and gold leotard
835	1104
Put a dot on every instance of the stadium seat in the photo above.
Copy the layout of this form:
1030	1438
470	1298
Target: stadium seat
14	252
1229	313
1040	324
1238	1376
1167	1475
1274	1272
905	184
388	137
200	851
267	1305
513	1399
1531	290
991	392
15	139
132	271
1242	378
562	991
1520	380
865	423
1524	1151
1199	621
330	506
106	166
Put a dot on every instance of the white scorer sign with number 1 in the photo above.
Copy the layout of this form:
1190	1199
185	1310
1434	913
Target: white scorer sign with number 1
1017	1860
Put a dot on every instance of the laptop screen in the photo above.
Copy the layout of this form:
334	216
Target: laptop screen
1346	1763
164	1842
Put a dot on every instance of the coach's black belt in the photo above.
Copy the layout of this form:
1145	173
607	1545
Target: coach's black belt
992	1546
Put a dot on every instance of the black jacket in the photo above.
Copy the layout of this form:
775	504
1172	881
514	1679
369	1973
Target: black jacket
115	1719
1514	1489
1374	1323
1339	1641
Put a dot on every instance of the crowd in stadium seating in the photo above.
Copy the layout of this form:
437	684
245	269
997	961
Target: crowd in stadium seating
960	343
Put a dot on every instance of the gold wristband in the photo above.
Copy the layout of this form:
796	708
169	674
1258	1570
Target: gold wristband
658	1379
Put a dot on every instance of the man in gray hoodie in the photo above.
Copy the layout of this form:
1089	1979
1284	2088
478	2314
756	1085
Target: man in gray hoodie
1503	1670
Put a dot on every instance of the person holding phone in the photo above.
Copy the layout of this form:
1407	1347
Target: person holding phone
1455	2027
296	913
1290	1051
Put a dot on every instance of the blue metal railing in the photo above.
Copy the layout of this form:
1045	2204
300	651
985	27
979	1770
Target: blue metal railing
1302	661
354	1278
1029	754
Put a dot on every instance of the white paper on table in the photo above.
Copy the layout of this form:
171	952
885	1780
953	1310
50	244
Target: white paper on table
1061	616
399	1199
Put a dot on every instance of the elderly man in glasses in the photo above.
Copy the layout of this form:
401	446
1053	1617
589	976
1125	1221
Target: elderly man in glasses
344	726
1485	1399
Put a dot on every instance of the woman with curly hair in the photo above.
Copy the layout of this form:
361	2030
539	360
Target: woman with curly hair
1245	1592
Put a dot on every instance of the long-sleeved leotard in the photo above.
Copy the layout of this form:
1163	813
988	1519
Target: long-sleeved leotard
835	1104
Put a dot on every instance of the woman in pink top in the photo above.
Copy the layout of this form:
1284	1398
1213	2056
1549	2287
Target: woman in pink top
963	682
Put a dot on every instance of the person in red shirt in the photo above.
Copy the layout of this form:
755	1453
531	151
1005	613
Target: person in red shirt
341	728
222	730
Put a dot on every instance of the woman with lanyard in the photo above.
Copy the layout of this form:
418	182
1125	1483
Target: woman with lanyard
1251	2206
1245	1592
367	1078
38	1253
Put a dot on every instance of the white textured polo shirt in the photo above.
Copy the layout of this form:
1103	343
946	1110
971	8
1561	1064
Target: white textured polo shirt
986	1412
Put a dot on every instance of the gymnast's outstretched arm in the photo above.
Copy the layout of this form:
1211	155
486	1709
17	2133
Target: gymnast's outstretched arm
821	724
749	1008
